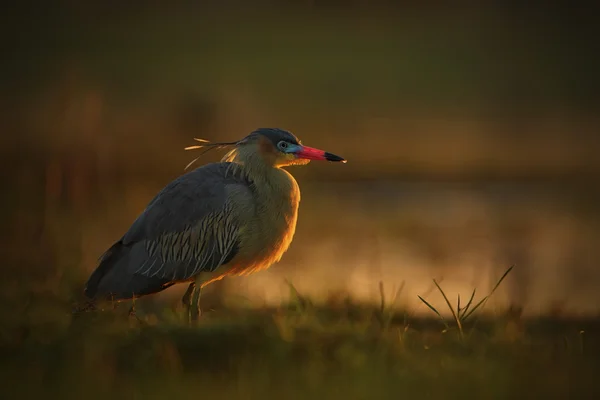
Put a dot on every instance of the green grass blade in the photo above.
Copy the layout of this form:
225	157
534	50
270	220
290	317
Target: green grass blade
296	298
482	302
458	324
500	280
398	292
382	297
434	310
465	316
391	312
468	304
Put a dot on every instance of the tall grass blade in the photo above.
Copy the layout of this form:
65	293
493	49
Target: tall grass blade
456	319
296	298
482	302
468	304
435	311
382	296
501	279
465	316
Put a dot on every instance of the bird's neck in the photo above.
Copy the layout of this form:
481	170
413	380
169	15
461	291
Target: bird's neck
271	182
252	162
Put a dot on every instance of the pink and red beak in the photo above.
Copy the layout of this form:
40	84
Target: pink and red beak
311	153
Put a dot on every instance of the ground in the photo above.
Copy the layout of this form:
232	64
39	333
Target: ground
297	351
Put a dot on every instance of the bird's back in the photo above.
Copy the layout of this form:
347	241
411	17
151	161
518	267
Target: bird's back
192	225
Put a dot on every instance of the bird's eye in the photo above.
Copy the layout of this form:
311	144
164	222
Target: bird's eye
282	145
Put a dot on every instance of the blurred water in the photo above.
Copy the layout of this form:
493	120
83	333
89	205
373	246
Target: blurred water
350	237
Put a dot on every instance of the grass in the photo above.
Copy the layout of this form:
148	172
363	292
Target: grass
296	351
461	314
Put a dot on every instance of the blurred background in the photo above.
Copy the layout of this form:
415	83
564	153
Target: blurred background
472	134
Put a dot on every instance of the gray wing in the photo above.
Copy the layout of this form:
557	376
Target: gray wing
191	226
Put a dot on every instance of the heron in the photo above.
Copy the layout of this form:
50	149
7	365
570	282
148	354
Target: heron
228	218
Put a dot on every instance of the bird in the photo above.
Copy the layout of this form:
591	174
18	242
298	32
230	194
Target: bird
228	218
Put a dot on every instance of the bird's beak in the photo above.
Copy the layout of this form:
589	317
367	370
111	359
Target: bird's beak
311	153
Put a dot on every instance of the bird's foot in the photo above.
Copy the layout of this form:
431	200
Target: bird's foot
192	317
194	313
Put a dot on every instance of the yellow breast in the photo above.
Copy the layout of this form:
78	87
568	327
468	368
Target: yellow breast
269	233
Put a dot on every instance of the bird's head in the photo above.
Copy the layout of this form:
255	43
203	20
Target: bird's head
281	148
274	147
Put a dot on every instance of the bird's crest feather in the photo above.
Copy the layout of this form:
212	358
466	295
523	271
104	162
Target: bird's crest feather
207	146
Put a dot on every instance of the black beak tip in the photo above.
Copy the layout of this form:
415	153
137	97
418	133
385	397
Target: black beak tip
333	157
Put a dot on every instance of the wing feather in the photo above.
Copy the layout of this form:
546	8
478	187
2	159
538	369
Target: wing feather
191	226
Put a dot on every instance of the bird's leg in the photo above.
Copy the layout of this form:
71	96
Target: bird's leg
132	309
132	312
195	310
187	298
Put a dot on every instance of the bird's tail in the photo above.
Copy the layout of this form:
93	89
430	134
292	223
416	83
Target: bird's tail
115	278
107	262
